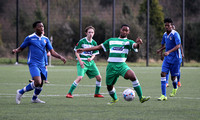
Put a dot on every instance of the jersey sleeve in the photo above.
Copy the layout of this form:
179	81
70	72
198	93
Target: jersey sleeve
48	45
25	43
105	45
177	38
163	40
132	45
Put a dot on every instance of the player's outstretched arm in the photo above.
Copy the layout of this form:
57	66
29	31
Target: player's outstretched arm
56	55
19	49
89	49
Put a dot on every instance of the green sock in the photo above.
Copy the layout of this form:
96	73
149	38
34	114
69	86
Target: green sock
138	90
97	90
114	96
72	88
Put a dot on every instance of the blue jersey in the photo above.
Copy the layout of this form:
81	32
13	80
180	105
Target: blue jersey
37	48
170	42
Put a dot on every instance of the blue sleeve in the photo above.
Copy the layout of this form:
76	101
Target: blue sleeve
25	43
48	45
163	40
177	38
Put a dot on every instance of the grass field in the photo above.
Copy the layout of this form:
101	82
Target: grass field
185	106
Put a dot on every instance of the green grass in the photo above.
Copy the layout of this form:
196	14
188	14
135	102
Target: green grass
72	62
186	104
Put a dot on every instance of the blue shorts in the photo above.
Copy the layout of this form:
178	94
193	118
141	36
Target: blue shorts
38	71
173	68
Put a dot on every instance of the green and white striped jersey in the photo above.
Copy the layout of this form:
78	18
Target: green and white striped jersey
84	43
118	49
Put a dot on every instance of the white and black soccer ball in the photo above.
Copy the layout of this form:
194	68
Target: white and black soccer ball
129	94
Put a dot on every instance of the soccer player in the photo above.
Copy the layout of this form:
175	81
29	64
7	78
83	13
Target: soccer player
46	63
162	57
171	41
86	63
118	51
37	44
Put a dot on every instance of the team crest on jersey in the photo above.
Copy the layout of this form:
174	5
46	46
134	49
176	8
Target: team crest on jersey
170	38
45	41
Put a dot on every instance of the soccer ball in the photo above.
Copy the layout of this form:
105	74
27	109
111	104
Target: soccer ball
129	94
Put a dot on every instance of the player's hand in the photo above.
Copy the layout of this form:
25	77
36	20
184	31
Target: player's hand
14	51
89	59
183	56
139	41
82	64
79	50
166	53
63	59
158	51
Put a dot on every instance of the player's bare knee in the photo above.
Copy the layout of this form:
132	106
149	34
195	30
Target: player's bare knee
163	74
98	78
109	87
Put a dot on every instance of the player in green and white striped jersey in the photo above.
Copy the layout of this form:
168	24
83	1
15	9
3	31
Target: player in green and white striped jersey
86	63
118	51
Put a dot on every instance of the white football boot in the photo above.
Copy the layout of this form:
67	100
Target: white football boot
18	97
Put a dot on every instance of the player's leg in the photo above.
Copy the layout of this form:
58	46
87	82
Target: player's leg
167	79
35	72
113	94
98	86
37	90
164	71
178	78
94	72
73	87
136	85
46	81
111	79
111	89
81	72
174	70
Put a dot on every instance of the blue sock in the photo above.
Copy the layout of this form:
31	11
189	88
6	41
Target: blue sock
163	85
174	83
178	78
29	87
36	92
167	78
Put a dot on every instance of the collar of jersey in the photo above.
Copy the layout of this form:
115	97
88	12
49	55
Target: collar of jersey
123	38
37	35
88	40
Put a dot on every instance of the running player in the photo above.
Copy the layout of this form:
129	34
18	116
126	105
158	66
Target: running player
118	50
37	44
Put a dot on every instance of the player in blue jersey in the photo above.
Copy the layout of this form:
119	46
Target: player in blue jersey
37	44
46	64
171	41
162	57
